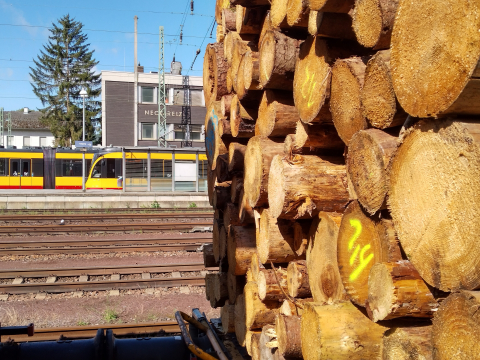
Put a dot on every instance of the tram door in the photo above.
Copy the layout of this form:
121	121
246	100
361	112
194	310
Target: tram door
20	176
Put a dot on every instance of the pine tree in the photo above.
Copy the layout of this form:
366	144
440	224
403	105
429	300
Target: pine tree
64	66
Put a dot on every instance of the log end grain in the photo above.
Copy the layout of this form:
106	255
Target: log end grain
367	22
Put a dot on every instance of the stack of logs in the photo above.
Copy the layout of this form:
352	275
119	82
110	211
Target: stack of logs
344	171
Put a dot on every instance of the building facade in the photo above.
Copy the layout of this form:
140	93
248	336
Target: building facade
125	123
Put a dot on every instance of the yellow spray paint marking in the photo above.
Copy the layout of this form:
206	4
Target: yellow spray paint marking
308	85
363	262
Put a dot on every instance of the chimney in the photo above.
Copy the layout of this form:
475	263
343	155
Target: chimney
139	68
25	110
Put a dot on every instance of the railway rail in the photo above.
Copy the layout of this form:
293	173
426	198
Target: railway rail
105	227
104	211
85	332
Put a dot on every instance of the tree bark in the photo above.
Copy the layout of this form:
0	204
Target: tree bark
301	229
324	276
219	6
306	186
335	6
258	313
227	315
345	97
236	188
277	115
229	18
268	289
231	216
368	158
408	343
320	136
362	242
243	114
455	333
265	352
236	154
221	169
235	287
353	337
288	308
216	240
220	288
258	157
434	199
240	319
379	103
241	246
275	239
224	127
289	336
427	88
297	279
278	53
225	105
208	257
330	25
373	22
245	211
249	20
222	243
214	73
397	290
250	3
221	195
249	342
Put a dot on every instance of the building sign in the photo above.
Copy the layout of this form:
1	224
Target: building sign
169	113
149	113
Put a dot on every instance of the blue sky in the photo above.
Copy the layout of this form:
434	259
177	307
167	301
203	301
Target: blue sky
21	43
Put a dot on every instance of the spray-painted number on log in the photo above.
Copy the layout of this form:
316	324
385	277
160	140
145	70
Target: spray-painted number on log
210	135
308	86
355	223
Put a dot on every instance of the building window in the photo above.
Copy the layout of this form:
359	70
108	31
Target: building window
43	141
26	141
148	94
148	131
196	133
10	140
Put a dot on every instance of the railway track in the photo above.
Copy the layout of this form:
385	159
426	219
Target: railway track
95	228
85	332
51	285
104	211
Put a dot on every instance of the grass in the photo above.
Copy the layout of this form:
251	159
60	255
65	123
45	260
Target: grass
155	205
82	323
192	205
110	315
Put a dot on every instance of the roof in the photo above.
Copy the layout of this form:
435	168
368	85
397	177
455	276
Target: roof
20	120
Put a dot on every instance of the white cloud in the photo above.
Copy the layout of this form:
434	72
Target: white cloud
17	17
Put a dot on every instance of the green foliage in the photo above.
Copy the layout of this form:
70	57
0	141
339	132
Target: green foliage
110	315
155	205
63	68
81	323
192	205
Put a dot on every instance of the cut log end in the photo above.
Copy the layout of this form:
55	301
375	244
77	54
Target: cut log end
276	189
278	12
367	22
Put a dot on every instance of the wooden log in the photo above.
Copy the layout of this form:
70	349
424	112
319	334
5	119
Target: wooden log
219	6
258	313
250	3
222	243
214	73
427	88
255	267
290	150
249	20
297	279
297	13
397	290
227	315
306	186
240	47
225	105
256	346
209	284
216	240
278	12
243	114
221	195
240	319
229	18
362	242
240	247
220	288
319	136
301	229
214	143
231	216
258	157
368	158
236	189
324	278
208	257
345	97
245	211
275	239
353	337
268	288
408	343
236	154
330	25
224	127
438	223
211	180
455	332
311	85
251	70
373	22
278	54
249	342
266	352
289	308
221	169
219	34
335	6
289	337
379	103
277	115
235	286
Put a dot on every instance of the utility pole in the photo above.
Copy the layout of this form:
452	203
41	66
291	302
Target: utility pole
186	112
135	87
1	126
162	108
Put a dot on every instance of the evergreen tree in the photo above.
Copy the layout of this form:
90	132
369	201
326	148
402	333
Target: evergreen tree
64	66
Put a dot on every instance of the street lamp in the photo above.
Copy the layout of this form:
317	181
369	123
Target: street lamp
83	94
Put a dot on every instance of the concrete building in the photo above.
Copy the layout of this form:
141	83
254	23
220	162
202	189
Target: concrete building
27	130
124	124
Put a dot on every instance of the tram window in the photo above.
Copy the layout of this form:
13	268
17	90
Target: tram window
202	169
3	167
37	167
25	167
111	168
14	168
97	170
69	167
